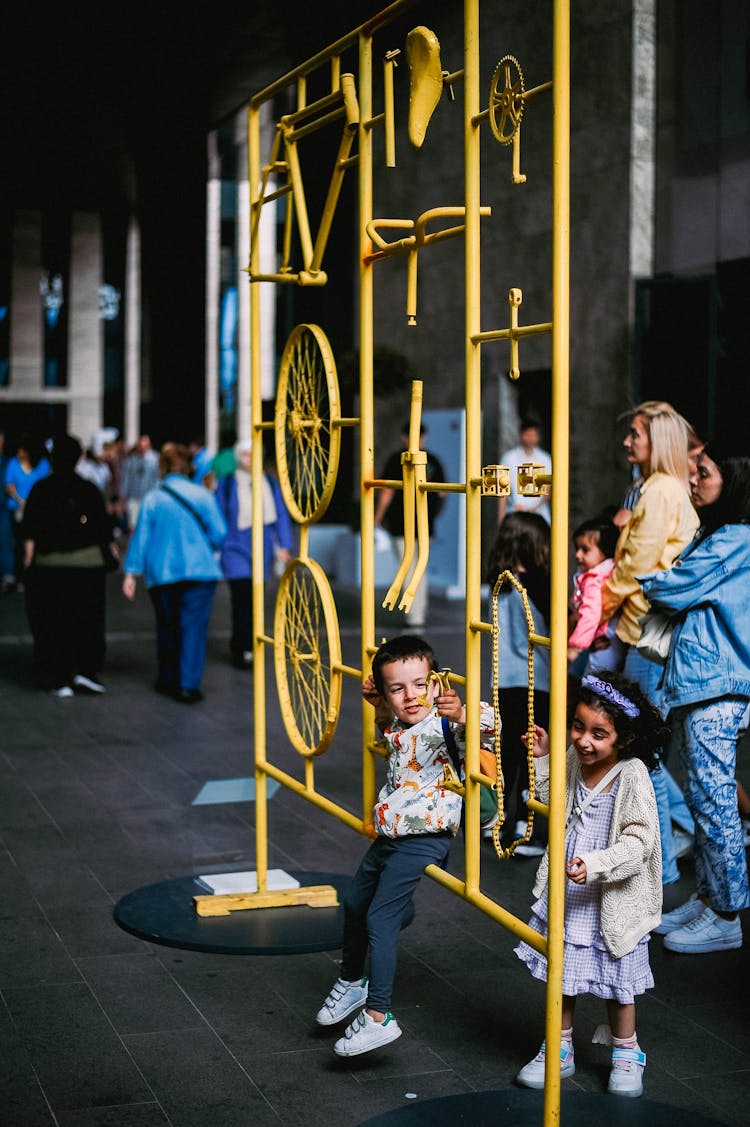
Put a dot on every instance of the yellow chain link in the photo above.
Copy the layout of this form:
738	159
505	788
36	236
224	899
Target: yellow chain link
507	851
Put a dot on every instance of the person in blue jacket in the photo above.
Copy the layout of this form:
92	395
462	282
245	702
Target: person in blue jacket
175	548
706	686
234	497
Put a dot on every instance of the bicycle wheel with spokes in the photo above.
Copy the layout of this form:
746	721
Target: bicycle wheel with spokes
307	656
307	412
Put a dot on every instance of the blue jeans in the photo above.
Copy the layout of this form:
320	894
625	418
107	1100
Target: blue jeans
378	903
7	553
705	736
182	614
670	801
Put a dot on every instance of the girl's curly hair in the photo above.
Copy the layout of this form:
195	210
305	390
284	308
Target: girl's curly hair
641	736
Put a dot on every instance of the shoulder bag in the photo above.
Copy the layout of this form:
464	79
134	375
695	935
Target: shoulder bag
656	635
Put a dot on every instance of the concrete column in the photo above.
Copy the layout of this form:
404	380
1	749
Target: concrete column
213	294
85	327
133	334
26	319
642	144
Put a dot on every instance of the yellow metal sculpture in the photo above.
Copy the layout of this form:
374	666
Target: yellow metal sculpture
307	422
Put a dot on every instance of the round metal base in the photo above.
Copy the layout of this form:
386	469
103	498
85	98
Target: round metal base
165	913
515	1107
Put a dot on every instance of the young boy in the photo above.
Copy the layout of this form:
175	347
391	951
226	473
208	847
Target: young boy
416	820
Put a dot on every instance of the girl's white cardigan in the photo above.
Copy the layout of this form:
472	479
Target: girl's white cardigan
629	869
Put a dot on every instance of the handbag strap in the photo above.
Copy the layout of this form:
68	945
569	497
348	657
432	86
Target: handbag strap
186	505
450	743
575	814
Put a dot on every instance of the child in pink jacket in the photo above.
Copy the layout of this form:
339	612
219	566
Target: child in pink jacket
594	542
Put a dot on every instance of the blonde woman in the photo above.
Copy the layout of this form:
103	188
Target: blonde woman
663	523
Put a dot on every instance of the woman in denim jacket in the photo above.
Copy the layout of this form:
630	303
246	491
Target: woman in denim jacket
706	685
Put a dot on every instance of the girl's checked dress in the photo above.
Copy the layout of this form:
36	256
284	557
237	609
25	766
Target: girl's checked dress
588	967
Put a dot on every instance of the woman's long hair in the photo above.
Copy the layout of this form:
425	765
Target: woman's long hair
733	503
668	434
523	538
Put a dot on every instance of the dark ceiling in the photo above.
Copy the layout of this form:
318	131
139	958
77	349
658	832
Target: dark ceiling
92	91
106	107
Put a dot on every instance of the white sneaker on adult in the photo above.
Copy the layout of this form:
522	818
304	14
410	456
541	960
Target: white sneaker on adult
344	998
88	685
532	1074
626	1076
63	692
678	917
365	1034
708	932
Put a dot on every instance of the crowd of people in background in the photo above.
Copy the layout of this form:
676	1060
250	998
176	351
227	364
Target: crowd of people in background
177	519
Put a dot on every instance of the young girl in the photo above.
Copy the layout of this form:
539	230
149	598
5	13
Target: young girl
522	546
595	541
613	865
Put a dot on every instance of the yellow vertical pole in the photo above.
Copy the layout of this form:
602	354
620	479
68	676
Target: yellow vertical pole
259	678
366	412
559	549
473	430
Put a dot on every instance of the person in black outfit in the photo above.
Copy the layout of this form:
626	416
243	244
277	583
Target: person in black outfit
67	535
389	512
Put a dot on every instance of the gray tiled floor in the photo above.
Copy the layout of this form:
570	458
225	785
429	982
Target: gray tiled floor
99	1028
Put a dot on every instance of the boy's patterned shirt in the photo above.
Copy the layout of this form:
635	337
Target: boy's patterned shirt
412	799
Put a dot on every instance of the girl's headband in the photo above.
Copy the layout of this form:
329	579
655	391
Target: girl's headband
609	692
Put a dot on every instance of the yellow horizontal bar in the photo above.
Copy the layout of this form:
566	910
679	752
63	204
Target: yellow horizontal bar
322	103
535	90
442	487
383	483
486	628
490	908
538	807
303	278
512	334
284	190
342	423
313	126
348	669
312	796
374	121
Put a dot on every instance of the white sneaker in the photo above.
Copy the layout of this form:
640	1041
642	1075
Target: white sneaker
678	917
487	827
708	932
682	841
626	1076
63	693
88	684
365	1034
532	1074
529	849
344	999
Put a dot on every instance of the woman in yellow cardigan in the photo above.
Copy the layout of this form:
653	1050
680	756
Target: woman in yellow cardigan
663	523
